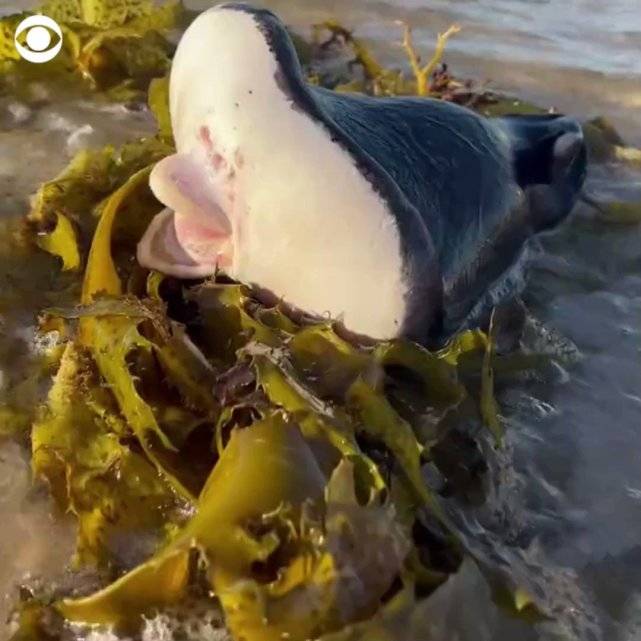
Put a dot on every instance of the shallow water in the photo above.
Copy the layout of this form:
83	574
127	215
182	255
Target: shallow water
581	56
568	507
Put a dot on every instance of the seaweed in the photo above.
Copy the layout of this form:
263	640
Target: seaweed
78	446
133	441
605	144
423	74
622	213
331	40
112	46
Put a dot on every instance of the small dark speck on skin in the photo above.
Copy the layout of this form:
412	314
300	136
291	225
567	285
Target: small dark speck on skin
236	104
251	91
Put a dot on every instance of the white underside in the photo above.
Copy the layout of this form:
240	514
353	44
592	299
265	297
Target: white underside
306	224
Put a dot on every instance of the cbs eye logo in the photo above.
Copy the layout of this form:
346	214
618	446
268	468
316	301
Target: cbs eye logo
37	38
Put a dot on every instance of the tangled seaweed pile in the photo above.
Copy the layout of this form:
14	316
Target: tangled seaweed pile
211	447
266	461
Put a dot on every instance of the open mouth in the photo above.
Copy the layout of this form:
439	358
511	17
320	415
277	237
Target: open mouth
192	236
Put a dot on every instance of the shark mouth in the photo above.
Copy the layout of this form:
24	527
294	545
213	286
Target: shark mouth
192	236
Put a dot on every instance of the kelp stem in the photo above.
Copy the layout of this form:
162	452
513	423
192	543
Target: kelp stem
423	74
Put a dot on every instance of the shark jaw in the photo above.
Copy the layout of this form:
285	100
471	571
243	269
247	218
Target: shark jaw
261	191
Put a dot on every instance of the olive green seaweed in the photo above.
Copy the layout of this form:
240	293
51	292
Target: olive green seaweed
114	46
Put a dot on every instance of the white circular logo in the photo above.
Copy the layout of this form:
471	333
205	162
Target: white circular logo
38	38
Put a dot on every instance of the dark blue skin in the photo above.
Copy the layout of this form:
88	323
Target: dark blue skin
482	186
467	192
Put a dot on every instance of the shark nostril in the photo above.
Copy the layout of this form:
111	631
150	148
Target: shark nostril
217	161
205	136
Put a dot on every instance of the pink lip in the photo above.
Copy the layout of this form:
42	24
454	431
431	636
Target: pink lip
193	236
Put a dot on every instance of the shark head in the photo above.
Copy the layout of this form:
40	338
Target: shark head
262	190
